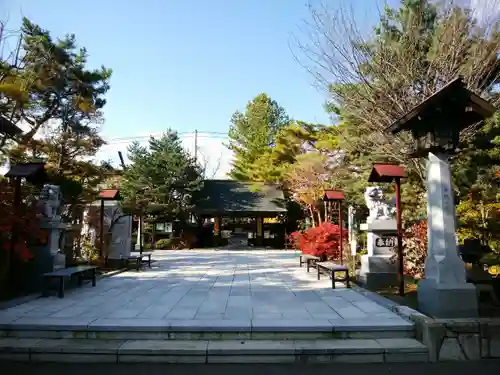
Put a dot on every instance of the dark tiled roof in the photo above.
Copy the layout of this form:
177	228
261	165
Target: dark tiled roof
454	89
235	197
7	127
33	172
25	169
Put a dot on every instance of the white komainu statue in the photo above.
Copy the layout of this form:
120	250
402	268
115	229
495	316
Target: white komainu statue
380	208
51	198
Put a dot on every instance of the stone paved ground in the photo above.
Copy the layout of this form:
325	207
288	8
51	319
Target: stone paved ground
200	286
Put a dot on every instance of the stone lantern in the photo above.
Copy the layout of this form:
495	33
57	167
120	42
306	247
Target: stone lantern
435	125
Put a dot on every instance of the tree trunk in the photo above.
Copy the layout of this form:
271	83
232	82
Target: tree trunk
311	213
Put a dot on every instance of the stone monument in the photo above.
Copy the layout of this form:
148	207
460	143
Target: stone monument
377	267
120	242
444	291
121	233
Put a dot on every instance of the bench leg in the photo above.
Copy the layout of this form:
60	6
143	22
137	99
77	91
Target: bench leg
300	262
93	277
80	279
347	281
45	286
138	264
317	269
332	275
308	265
149	261
60	292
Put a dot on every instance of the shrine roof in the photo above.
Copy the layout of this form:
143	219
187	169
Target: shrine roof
386	173
109	194
25	170
334	195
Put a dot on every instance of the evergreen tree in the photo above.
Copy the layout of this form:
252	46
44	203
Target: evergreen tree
162	173
253	133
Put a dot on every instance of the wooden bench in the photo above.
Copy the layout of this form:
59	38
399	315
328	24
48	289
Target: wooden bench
135	260
82	272
146	255
309	260
332	269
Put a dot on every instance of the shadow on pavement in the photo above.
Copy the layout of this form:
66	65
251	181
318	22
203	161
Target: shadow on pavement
444	368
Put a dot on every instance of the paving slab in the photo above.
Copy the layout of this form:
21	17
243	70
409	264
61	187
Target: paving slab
197	289
250	347
163	347
77	346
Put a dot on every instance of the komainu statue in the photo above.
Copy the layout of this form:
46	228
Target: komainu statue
51	197
380	208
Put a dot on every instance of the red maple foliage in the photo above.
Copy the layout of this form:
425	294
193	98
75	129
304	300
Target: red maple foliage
25	219
321	241
415	249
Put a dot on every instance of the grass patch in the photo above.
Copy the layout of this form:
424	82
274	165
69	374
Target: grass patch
409	299
392	293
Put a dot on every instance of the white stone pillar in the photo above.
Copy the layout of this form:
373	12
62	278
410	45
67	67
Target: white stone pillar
139	239
352	233
444	292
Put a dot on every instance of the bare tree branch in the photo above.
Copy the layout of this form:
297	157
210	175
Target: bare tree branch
375	83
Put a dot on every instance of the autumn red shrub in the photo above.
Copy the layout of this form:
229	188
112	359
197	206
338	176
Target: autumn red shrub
24	218
415	249
321	241
293	240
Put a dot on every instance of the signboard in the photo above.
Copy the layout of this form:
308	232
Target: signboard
164	227
386	242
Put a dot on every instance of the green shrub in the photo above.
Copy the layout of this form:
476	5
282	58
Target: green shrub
164	244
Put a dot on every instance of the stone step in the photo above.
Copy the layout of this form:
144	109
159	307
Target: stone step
144	329
213	351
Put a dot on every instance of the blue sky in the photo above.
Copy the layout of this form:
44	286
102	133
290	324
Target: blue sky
187	64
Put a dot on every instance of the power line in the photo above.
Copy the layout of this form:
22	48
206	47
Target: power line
183	134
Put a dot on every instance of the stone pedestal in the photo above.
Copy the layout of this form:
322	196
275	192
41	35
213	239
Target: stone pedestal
444	292
378	270
53	250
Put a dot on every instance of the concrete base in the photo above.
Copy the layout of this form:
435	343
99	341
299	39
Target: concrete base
443	301
377	280
377	271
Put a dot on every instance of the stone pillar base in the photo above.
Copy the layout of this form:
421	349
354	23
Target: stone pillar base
377	271
377	280
447	301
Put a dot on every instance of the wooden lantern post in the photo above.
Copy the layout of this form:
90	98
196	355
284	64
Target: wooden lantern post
393	173
337	196
105	195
